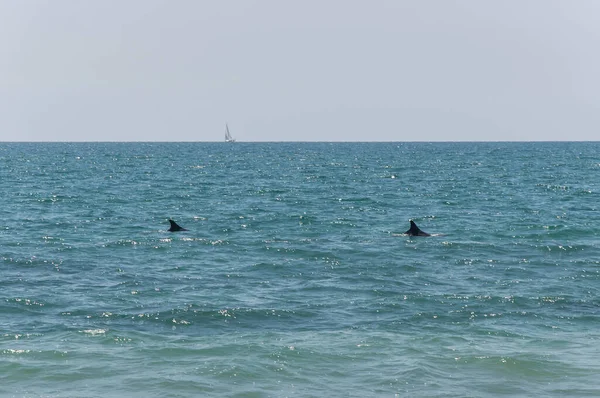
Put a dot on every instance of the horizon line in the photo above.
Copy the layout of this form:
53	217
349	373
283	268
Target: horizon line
290	142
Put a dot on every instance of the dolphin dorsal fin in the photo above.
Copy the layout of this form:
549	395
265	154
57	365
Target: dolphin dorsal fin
415	231
175	227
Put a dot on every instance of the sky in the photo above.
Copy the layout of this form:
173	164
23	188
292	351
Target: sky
310	70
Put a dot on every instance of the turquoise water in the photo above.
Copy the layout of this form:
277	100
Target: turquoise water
294	278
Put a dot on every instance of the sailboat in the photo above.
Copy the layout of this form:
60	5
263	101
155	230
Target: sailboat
228	137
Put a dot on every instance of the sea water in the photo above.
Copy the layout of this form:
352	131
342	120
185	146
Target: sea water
294	277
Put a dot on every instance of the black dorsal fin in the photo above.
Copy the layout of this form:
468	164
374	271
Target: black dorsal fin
175	227
415	231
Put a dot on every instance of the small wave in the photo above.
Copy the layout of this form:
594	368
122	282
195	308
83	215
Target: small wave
15	352
94	332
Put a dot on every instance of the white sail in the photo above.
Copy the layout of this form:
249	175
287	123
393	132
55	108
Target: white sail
228	137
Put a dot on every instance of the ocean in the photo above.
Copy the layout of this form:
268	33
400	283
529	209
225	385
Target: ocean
294	277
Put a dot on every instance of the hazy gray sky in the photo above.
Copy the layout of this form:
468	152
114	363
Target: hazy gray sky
310	70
